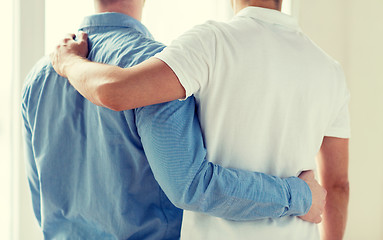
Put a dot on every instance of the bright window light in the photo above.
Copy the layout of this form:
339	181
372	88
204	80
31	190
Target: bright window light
5	109
167	19
62	17
287	7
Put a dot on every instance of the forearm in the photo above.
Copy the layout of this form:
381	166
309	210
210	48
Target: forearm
335	213
333	169
241	195
123	88
92	80
172	140
147	83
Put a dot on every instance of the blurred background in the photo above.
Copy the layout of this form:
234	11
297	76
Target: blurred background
351	31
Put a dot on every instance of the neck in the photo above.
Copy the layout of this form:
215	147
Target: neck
131	8
238	5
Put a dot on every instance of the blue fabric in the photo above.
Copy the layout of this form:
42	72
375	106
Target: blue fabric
86	165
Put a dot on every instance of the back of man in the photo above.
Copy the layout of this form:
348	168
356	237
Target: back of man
266	95
87	170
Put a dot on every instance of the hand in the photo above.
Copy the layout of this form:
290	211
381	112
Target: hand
68	50
318	198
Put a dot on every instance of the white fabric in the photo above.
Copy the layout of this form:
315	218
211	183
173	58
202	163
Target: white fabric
267	96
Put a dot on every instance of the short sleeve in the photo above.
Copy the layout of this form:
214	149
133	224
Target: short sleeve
191	57
339	125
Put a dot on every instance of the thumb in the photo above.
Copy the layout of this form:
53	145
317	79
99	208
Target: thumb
82	36
308	174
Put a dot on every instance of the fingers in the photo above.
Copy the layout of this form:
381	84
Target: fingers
317	220
68	37
309	174
314	216
82	36
318	194
325	193
67	49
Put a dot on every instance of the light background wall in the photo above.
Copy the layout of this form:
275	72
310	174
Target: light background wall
5	123
28	47
349	30
352	32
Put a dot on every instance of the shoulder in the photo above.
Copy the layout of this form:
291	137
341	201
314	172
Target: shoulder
123	47
36	78
150	47
201	38
319	54
39	70
143	41
208	28
326	66
207	36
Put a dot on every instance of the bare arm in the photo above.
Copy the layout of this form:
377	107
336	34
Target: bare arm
145	84
333	171
113	87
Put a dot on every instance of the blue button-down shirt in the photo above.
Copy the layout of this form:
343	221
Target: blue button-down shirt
93	172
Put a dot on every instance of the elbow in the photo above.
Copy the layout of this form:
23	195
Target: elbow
179	204
195	194
178	199
184	199
345	187
185	205
107	95
342	187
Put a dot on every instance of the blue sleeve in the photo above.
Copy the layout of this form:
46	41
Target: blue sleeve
173	143
31	169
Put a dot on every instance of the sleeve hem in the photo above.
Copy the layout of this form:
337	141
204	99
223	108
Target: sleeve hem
338	133
181	78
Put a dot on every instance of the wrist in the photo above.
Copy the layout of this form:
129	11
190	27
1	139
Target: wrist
300	196
69	64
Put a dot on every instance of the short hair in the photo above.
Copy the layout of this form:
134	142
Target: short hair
275	1
106	2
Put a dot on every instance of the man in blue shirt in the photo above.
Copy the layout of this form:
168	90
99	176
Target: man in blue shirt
93	172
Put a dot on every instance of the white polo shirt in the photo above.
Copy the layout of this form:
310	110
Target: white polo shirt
267	95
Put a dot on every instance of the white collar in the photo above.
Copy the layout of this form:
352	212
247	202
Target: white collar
270	16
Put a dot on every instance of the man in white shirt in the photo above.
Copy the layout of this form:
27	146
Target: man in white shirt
265	92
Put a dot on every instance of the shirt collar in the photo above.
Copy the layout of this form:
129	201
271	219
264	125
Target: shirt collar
113	19
271	16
